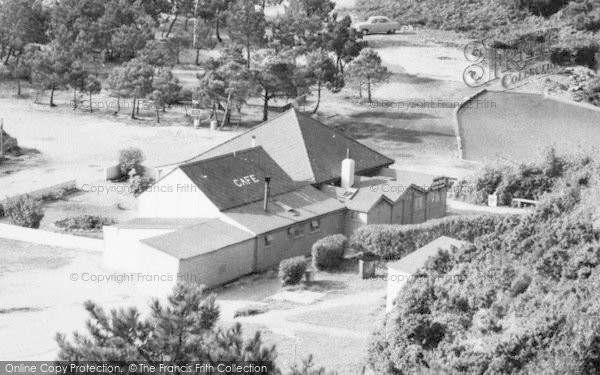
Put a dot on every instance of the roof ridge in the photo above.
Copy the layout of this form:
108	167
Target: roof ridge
229	154
344	135
236	137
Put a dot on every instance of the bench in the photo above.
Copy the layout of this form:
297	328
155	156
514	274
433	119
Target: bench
520	202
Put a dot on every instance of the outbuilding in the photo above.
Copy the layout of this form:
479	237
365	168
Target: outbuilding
403	270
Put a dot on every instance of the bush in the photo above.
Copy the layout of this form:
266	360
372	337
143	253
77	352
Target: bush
291	270
250	311
85	223
396	241
131	158
24	211
2	213
140	184
328	252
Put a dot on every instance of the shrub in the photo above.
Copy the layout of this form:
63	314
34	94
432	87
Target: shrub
24	211
396	241
291	270
328	252
139	184
85	222
131	158
250	311
2	213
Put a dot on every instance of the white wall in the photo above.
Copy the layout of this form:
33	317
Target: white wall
122	246
175	196
396	280
158	273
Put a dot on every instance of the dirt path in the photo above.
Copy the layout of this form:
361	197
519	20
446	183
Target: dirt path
278	321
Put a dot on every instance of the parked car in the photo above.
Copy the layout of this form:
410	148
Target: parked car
377	24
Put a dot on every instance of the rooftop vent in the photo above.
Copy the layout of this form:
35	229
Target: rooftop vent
287	208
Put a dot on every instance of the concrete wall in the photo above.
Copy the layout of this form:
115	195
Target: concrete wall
396	280
43	237
284	246
40	193
122	246
221	266
158	272
175	196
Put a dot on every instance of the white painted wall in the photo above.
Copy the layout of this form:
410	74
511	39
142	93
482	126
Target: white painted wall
396	280
122	246
175	196
158	273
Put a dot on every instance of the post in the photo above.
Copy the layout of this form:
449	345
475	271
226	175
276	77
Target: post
266	198
1	138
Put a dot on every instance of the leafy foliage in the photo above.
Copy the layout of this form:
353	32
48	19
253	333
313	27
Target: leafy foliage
139	184
396	241
131	158
24	211
515	301
328	252
291	270
84	223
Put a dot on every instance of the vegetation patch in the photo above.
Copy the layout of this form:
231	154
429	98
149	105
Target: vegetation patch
328	252
292	270
85	223
250	311
24	211
521	299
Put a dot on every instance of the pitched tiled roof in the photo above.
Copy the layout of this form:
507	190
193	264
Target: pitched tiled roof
198	239
417	259
306	149
306	203
237	178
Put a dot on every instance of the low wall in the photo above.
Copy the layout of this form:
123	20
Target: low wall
38	194
42	237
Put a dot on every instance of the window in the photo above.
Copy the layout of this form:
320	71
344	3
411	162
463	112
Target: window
419	203
436	197
268	240
315	225
296	232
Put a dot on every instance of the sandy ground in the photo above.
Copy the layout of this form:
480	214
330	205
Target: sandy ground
40	298
418	136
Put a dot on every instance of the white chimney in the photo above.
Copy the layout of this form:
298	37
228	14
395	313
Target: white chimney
253	141
348	168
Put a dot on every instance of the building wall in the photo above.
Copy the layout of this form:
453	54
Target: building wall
175	196
436	205
354	220
158	272
284	246
220	266
381	213
122	246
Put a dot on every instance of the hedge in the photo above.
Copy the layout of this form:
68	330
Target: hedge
291	270
328	252
396	241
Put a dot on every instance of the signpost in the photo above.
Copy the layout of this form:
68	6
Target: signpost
1	138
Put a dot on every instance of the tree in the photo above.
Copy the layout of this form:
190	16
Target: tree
228	80
322	71
50	68
246	26
159	53
340	38
133	80
76	79
21	22
166	91
91	86
367	70
182	330
278	76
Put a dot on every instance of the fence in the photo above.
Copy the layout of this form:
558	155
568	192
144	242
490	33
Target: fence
43	237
